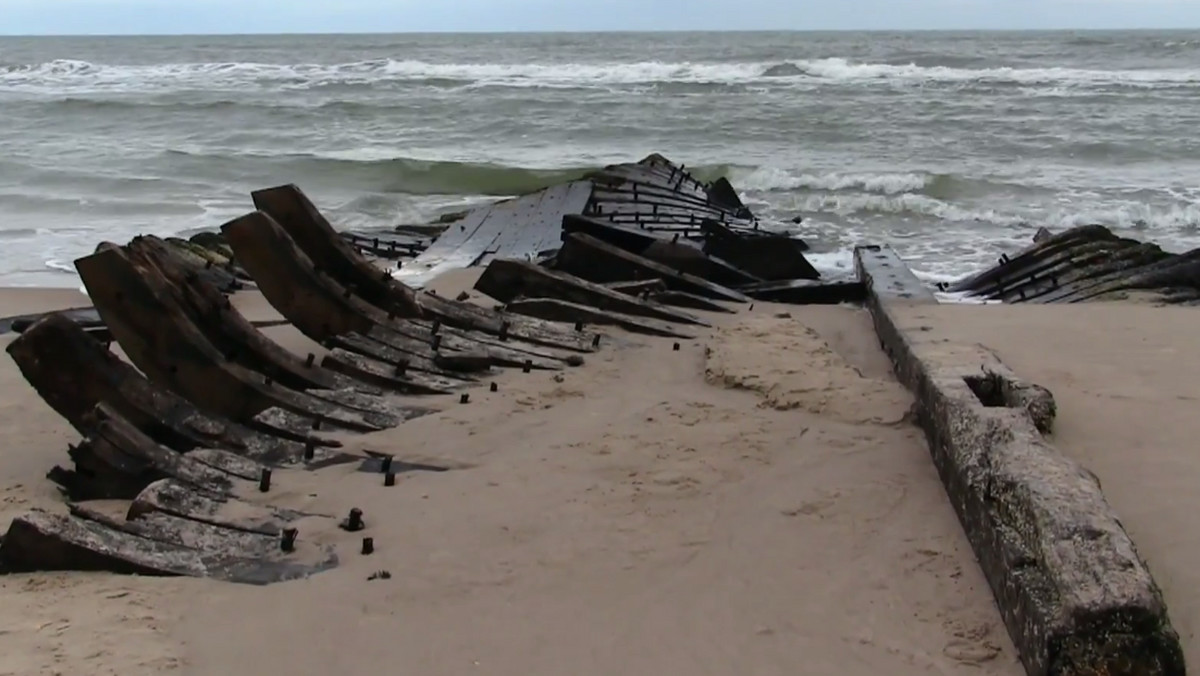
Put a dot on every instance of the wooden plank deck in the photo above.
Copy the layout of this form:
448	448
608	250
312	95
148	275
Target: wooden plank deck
518	228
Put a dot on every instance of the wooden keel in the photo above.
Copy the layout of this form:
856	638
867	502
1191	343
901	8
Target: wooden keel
169	348
506	280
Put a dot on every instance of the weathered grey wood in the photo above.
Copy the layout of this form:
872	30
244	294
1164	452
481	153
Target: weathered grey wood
168	347
40	541
566	311
384	374
505	280
390	353
74	373
594	260
309	229
117	461
523	227
226	328
228	463
1075	596
468	316
179	499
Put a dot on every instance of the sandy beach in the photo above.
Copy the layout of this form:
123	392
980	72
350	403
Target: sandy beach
756	502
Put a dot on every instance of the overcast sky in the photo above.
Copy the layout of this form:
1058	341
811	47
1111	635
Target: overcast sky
58	17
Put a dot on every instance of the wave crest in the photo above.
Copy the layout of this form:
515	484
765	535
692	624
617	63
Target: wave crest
66	74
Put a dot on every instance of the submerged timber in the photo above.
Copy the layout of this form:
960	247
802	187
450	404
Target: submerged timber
215	409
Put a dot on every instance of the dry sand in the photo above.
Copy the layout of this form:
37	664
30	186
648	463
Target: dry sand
755	503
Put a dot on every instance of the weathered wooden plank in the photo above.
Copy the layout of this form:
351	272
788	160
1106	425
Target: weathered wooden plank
535	230
84	316
391	353
315	304
38	541
679	256
117	461
313	234
161	544
594	260
638	287
1074	594
169	348
505	280
450	341
74	373
227	329
450	251
385	375
808	291
468	316
229	463
566	311
182	500
688	300
1031	255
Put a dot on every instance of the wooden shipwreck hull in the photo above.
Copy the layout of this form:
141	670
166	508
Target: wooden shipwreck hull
208	404
1087	263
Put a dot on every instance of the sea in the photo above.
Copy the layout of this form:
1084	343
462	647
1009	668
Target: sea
954	148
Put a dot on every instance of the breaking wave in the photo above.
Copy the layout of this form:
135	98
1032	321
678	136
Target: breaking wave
74	75
370	171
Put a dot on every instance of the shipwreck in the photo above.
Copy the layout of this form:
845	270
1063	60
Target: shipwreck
204	405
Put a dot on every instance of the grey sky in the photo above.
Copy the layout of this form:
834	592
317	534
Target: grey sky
331	16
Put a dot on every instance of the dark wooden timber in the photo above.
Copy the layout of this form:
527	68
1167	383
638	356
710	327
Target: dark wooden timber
506	280
688	300
74	373
638	287
313	234
1075	596
116	460
589	258
566	311
84	316
771	257
167	346
680	256
468	316
328	312
809	291
227	329
385	375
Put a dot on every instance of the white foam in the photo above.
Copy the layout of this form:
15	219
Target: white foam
65	75
773	178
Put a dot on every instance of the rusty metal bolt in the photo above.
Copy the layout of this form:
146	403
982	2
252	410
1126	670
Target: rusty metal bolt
264	480
287	541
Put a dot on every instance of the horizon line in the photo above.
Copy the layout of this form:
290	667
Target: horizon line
607	32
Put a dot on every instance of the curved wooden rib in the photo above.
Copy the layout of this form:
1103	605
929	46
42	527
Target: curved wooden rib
73	373
313	234
324	310
228	330
164	344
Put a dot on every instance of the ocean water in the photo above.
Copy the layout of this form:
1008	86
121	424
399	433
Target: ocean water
952	147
